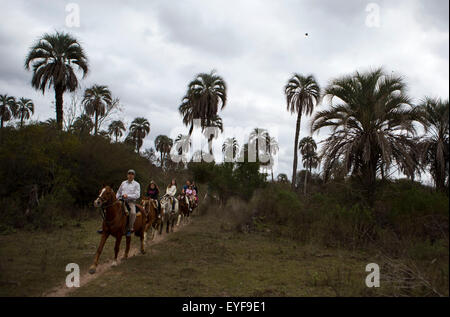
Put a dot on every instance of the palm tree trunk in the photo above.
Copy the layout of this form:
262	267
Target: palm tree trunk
306	177
271	172
96	123
116	136
59	91
210	145
297	135
21	120
1	124
191	129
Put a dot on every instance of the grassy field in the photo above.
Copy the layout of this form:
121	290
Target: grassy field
205	258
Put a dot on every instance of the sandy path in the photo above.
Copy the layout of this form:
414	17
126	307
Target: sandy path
62	290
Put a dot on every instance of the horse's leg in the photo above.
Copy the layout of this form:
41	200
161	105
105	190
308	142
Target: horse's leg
167	227
127	248
142	242
116	249
93	267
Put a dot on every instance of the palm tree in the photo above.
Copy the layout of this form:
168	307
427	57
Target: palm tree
282	178
53	58
302	95
308	147
25	107
272	148
163	144
96	100
435	145
230	147
310	160
217	125
139	129
8	108
116	128
368	124
206	94
183	143
82	125
256	136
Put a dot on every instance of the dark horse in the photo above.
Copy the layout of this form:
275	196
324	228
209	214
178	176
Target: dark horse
115	222
184	207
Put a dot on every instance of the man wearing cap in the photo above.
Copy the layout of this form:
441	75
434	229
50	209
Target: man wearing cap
130	192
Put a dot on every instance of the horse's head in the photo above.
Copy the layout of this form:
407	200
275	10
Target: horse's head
106	196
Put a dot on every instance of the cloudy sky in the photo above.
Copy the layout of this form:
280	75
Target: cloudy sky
147	52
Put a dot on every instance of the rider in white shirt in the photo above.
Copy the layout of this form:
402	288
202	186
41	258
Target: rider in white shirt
171	191
130	191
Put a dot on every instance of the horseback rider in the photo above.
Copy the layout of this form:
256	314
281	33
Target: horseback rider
185	190
130	191
171	191
195	188
153	193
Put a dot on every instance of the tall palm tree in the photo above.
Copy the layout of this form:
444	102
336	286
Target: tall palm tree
302	95
139	129
163	144
116	128
54	58
96	100
183	143
8	108
310	159
217	124
206	94
256	137
25	107
230	148
371	123
435	145
272	149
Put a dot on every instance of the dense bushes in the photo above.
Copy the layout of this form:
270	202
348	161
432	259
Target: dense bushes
229	179
406	232
65	170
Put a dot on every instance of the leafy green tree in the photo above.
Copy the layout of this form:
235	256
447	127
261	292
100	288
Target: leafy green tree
282	178
53	59
302	95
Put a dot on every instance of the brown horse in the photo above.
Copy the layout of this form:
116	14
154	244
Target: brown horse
114	223
184	207
151	209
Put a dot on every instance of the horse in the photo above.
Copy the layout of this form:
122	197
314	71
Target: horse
184	206
151	209
115	221
168	215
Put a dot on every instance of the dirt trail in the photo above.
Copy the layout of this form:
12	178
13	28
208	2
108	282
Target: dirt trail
62	290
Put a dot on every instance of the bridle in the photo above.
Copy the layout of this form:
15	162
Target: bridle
103	209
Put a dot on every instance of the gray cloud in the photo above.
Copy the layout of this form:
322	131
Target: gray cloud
147	52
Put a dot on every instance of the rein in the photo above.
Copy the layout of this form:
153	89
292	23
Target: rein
103	213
